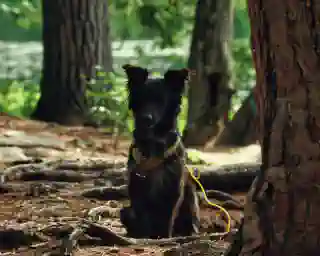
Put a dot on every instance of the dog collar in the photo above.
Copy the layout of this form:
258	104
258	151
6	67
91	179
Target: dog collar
144	164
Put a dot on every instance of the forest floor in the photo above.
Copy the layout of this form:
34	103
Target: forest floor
50	177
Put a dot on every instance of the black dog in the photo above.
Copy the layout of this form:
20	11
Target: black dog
163	199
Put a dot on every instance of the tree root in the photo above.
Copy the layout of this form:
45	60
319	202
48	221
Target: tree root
56	175
121	193
231	178
11	172
107	193
57	170
28	189
225	200
103	211
202	247
6	188
110	238
14	238
92	164
45	175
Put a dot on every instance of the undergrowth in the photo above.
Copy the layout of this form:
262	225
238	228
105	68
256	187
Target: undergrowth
107	93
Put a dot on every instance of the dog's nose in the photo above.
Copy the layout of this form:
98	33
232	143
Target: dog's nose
147	120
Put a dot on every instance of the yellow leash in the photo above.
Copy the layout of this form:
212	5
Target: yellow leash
197	180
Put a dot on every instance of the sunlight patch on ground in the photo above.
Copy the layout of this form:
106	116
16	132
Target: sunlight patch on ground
243	155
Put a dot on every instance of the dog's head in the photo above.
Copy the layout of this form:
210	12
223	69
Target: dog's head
155	102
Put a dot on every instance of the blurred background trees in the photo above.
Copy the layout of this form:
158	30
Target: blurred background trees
157	34
209	97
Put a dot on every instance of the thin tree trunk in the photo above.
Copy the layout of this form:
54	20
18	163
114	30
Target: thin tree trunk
240	131
209	93
75	41
282	213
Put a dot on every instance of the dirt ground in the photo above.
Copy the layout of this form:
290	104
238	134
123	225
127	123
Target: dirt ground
47	176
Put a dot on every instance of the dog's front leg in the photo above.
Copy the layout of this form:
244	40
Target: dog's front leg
136	218
188	219
135	222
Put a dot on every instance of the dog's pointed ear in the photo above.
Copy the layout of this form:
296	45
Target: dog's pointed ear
176	78
135	74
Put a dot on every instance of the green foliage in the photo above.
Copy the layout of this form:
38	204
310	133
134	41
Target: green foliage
18	97
25	12
107	96
242	64
169	23
22	19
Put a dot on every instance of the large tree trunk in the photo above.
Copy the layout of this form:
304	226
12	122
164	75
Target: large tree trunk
209	92
75	41
282	213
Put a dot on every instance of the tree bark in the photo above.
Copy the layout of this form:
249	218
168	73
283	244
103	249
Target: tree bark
75	41
282	213
241	130
209	92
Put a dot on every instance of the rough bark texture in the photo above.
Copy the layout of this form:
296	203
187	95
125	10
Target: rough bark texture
241	130
75	41
282	213
209	92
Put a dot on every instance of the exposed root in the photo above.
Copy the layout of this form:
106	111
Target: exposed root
58	170
70	243
104	211
92	164
107	193
110	238
14	238
226	200
120	193
231	178
56	175
50	175
6	188
12	172
202	247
